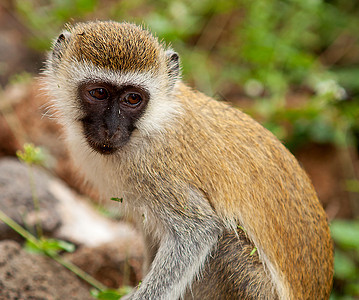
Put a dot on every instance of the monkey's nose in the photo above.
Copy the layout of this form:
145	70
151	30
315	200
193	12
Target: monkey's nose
111	127
110	131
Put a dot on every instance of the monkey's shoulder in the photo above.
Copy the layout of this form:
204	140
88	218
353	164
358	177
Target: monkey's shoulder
207	118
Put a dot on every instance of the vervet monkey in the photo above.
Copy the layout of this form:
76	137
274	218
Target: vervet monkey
227	212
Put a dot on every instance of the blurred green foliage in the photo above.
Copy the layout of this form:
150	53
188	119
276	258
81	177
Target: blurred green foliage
296	62
45	18
261	50
346	259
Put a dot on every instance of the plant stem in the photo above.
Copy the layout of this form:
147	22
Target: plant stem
28	236
20	230
80	273
36	201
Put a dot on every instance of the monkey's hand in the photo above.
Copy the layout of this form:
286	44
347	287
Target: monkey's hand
190	233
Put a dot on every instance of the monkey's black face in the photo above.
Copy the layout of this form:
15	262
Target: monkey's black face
110	113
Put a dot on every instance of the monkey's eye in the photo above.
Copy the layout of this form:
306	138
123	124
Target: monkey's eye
99	94
133	99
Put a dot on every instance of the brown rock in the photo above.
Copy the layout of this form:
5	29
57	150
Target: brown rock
29	276
114	264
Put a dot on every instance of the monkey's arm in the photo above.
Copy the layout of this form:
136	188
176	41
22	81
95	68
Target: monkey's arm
189	236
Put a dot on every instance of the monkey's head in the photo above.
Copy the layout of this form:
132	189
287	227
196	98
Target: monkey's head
111	82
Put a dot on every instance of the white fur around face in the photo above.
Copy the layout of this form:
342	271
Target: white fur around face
161	109
107	171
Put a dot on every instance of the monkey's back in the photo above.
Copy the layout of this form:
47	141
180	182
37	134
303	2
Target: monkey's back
252	180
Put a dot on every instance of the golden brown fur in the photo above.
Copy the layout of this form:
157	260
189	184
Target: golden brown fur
211	182
259	184
120	46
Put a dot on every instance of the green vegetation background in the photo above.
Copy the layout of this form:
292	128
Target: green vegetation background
265	54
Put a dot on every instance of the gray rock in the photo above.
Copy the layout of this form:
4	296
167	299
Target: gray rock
17	202
110	251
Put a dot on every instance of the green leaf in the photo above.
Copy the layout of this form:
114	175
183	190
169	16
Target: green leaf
346	233
57	245
344	267
111	294
253	251
49	246
33	248
106	294
86	5
353	289
117	199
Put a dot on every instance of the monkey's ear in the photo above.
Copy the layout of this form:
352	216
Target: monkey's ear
59	45
173	64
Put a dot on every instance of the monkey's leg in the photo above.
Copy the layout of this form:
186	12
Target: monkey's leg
187	239
234	271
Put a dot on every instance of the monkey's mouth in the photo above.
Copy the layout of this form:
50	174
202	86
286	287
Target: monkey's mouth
103	148
107	149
